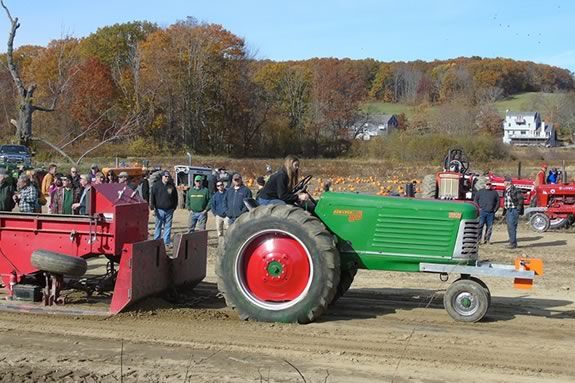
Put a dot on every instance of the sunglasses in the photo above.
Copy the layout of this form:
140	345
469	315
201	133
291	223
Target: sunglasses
218	185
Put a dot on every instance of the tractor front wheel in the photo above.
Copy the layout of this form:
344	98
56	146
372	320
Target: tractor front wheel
466	300
539	222
278	264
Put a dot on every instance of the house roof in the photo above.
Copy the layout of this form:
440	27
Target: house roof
381	118
521	114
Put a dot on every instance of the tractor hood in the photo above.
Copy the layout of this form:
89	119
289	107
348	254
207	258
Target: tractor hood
406	229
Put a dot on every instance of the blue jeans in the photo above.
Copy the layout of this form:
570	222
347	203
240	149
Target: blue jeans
512	218
263	202
485	219
199	219
164	220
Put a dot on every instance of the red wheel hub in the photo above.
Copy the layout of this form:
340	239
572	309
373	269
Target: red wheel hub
275	267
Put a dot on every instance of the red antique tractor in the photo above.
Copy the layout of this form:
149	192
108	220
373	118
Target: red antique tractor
455	182
42	255
553	207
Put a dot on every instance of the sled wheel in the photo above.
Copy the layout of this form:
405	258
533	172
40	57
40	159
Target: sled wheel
466	300
279	264
58	263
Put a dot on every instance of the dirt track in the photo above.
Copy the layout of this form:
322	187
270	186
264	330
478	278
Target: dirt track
390	327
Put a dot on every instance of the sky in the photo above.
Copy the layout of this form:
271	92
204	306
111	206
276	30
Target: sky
400	30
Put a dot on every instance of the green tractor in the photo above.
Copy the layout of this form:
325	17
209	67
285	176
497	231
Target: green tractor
281	263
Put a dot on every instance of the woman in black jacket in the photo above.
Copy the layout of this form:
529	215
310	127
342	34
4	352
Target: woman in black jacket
277	189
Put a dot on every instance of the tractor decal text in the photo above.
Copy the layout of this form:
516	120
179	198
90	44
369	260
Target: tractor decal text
352	215
454	215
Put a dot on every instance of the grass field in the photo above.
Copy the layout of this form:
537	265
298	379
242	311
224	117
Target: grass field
520	102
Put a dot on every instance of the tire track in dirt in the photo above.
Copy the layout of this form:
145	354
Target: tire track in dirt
363	329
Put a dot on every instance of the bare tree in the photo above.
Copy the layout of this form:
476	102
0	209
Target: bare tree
26	106
124	129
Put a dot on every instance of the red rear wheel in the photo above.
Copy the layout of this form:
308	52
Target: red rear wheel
278	263
274	269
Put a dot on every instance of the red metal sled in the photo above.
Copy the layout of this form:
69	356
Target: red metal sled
117	228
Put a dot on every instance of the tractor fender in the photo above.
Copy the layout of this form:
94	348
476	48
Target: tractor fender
530	210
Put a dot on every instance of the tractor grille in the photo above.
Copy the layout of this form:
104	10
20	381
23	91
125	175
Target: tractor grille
467	240
449	186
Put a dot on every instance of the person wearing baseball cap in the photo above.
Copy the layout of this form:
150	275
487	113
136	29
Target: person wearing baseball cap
488	201
541	176
235	197
163	202
123	177
512	209
198	204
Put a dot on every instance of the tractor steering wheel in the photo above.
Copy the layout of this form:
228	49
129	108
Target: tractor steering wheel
301	185
457	166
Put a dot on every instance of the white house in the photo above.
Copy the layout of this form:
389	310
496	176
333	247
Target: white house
526	128
376	125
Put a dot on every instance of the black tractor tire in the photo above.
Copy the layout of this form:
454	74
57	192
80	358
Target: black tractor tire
58	263
181	199
466	300
480	183
242	242
154	177
429	187
558	223
539	222
345	281
484	287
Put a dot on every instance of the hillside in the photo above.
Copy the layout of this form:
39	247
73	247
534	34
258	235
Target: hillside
528	101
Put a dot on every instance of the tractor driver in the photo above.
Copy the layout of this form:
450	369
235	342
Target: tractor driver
540	177
277	189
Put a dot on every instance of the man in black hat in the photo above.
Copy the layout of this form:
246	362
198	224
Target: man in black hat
512	209
488	201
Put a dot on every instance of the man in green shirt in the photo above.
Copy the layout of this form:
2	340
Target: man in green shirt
64	197
198	203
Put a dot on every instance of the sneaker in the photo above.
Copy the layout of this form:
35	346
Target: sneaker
511	247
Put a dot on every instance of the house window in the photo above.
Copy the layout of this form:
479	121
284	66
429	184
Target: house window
509	125
523	132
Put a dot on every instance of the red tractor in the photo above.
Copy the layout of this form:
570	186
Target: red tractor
553	207
456	182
